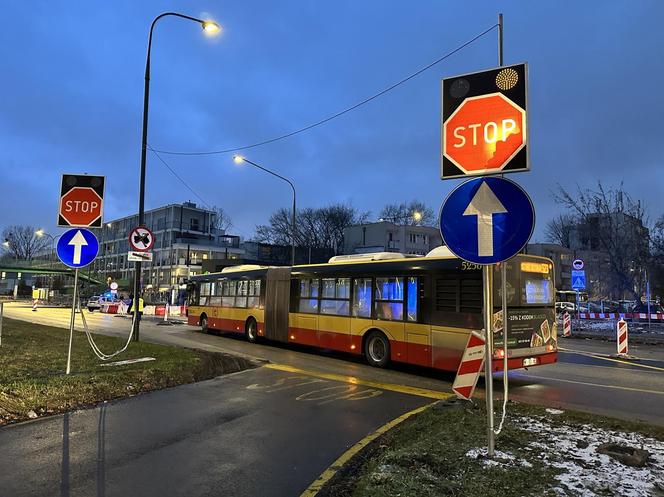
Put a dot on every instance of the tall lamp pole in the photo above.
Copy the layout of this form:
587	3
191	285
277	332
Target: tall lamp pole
239	160
209	27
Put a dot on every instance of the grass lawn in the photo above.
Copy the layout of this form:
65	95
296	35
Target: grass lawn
33	361
427	455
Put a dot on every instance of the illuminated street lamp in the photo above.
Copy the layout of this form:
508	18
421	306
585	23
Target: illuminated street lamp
211	28
417	216
239	160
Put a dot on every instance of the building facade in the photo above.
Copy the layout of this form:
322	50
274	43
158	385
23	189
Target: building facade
384	236
185	236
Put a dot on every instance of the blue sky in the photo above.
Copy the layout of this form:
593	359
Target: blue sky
72	81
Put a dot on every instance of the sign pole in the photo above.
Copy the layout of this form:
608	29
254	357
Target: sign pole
487	274
73	318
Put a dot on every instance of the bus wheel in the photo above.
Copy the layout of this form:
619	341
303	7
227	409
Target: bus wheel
251	330
377	349
204	324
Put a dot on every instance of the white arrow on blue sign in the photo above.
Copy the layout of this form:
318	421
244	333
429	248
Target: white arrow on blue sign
77	247
487	220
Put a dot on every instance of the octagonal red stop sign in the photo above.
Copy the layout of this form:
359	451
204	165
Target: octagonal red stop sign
81	206
484	133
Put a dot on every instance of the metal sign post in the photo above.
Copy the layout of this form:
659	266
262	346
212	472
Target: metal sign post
72	320
2	308
487	274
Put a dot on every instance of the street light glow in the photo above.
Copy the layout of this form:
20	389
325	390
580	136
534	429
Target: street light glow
238	159
417	216
39	232
211	27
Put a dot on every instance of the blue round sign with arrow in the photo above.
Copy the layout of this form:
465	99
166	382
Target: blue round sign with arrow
487	220
77	247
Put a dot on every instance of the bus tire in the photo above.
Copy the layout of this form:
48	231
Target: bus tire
203	321
251	330
377	349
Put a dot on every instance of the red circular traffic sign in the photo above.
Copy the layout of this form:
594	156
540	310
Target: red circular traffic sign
81	206
141	239
484	133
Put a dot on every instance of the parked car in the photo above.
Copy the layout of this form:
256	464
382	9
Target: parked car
565	307
96	302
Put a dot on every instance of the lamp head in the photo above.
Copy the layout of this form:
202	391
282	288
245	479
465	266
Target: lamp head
417	216
238	159
39	232
211	27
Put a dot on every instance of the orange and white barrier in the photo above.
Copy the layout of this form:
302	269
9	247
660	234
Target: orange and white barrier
621	337
470	367
567	325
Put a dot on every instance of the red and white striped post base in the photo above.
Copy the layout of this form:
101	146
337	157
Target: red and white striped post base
621	337
470	367
567	325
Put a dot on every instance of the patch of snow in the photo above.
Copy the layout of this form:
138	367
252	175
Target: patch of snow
587	473
500	458
554	411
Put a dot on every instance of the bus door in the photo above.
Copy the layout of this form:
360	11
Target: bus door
334	322
277	302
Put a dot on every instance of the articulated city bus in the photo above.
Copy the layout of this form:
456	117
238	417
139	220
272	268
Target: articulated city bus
386	306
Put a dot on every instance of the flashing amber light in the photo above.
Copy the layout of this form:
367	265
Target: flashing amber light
211	27
535	267
550	347
292	337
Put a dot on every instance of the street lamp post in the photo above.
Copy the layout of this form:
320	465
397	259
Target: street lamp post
211	28
238	160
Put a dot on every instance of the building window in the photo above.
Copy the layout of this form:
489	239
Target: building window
193	225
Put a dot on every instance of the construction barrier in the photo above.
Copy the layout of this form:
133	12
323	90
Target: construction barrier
654	316
621	337
567	325
472	363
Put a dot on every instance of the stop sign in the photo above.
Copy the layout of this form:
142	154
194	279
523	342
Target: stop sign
484	133
81	206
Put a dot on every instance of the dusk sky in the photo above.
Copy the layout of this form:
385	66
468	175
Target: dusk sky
72	81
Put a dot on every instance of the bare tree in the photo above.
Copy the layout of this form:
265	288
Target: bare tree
414	213
23	242
221	220
560	228
611	221
316	227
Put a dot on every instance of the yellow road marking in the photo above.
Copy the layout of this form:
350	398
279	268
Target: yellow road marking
611	359
420	392
327	475
629	389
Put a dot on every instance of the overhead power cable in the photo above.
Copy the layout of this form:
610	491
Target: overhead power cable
179	177
340	113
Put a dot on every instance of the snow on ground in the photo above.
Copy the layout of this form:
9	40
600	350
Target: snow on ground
584	471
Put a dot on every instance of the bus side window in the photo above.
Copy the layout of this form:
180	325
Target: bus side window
389	299
362	297
308	296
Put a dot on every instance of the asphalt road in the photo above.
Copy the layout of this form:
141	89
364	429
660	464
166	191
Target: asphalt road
259	432
585	378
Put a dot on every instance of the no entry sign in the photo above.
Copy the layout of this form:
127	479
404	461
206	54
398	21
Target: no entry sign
81	200
484	123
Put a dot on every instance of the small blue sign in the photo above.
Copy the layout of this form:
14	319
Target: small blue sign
487	220
77	247
578	279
